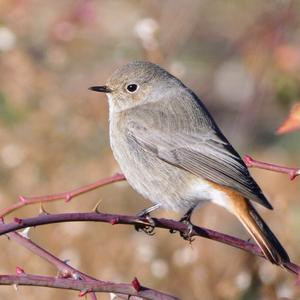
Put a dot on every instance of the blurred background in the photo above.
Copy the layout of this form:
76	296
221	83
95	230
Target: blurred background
241	57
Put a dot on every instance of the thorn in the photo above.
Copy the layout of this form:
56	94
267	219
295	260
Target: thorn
19	271
147	227
22	199
113	296
136	284
293	174
19	221
248	161
66	261
68	197
76	276
114	221
25	233
119	174
42	211
95	209
16	287
138	221
64	274
83	292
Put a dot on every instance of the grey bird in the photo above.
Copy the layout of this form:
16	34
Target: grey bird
172	152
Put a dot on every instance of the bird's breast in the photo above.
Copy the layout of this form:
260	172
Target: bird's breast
157	180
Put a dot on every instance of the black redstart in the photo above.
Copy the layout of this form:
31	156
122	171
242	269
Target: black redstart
172	152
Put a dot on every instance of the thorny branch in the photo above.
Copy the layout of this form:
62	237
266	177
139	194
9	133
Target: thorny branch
66	196
88	285
70	278
83	286
69	195
64	270
134	220
252	163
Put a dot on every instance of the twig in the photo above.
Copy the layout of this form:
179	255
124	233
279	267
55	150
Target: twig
65	270
133	220
84	286
252	163
66	196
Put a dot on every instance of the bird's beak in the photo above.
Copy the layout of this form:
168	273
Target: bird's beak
101	89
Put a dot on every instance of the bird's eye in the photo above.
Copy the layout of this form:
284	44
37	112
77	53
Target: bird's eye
131	88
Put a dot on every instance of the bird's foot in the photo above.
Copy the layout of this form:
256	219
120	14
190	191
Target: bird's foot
187	234
149	226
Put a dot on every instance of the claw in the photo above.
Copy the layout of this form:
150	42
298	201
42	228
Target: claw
186	219
147	227
187	235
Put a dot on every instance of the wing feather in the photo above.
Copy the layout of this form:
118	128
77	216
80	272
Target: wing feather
205	155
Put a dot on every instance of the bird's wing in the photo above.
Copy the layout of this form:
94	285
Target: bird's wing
205	153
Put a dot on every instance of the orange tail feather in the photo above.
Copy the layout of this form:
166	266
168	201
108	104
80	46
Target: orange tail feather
262	234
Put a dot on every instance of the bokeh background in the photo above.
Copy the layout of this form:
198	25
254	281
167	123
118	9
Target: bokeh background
241	57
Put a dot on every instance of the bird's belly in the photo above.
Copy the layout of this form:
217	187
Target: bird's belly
159	181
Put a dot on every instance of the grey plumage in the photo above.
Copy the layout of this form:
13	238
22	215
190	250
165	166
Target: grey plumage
173	153
173	127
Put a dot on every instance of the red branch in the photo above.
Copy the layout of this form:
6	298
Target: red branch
83	286
66	196
252	163
68	272
64	270
133	220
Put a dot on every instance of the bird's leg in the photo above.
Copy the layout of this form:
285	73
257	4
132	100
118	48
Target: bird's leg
148	210
148	227
186	219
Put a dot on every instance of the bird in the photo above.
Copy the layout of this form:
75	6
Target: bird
172	151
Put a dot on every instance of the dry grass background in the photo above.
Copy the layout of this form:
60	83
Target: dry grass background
241	57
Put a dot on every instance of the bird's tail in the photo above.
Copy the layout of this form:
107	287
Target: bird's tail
262	234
